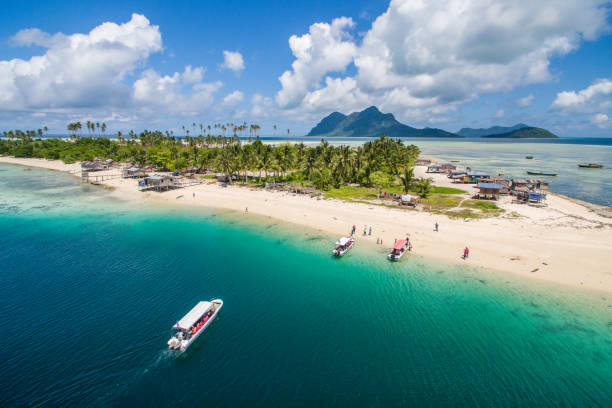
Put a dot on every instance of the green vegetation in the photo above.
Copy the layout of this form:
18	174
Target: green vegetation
480	205
377	163
447	190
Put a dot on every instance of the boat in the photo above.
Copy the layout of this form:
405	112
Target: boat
399	249
343	245
529	157
193	324
591	166
541	173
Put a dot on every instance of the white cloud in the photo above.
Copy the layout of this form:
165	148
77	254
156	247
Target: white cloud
437	54
595	98
499	114
192	75
233	60
262	107
154	92
526	101
78	70
325	48
601	120
233	98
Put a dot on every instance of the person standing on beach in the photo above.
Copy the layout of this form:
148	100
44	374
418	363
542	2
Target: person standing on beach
436	226
370	233
365	231
466	253
246	210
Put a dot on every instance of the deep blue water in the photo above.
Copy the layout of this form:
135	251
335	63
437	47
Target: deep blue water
89	288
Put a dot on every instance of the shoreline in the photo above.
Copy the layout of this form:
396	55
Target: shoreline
567	243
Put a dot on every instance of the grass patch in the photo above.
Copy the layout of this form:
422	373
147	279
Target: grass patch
447	190
439	202
480	205
349	193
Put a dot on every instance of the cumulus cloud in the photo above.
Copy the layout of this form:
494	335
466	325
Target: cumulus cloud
437	54
325	48
192	75
174	94
233	61
595	98
525	101
79	70
232	99
601	119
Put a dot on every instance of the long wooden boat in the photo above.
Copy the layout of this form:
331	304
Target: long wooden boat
541	173
399	249
591	166
343	245
193	324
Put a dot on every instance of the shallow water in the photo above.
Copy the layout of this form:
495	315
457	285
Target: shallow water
89	288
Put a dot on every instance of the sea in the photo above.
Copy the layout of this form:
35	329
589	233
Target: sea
91	285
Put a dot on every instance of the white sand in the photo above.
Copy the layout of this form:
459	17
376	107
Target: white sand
565	243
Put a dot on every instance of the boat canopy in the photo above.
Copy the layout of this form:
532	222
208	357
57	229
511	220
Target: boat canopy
407	197
193	316
343	241
399	244
492	186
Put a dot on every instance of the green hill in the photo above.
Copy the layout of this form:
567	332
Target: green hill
525	133
370	123
493	130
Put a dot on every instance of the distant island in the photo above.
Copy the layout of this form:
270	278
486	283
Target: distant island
526	133
370	123
518	131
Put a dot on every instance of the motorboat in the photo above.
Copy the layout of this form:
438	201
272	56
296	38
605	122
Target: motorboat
541	173
399	249
343	245
591	166
529	157
193	324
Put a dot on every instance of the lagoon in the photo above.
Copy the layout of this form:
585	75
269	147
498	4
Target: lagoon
89	288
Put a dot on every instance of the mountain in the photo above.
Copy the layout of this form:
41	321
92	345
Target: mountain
370	123
526	133
494	130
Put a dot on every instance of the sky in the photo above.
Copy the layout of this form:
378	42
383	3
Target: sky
450	64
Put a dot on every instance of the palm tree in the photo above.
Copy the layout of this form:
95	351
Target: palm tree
407	179
423	187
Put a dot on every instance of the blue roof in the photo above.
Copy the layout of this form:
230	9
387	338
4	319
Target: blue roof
490	185
477	173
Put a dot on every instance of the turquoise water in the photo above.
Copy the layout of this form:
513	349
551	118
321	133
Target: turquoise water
89	288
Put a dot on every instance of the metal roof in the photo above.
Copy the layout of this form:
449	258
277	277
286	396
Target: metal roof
477	173
490	185
193	316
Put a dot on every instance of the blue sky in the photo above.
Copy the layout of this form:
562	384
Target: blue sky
448	64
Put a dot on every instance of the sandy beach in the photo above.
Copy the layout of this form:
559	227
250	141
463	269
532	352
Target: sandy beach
566	243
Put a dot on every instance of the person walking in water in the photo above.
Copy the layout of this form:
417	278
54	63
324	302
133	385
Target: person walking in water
466	253
436	226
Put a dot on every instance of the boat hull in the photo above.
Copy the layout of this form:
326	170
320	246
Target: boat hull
396	257
186	343
343	252
536	173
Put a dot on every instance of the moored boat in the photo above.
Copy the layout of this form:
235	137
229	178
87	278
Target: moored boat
529	157
193	324
541	173
591	166
343	245
399	249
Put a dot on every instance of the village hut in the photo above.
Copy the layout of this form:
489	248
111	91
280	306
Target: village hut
410	200
158	183
441	168
476	176
422	162
134	172
488	191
